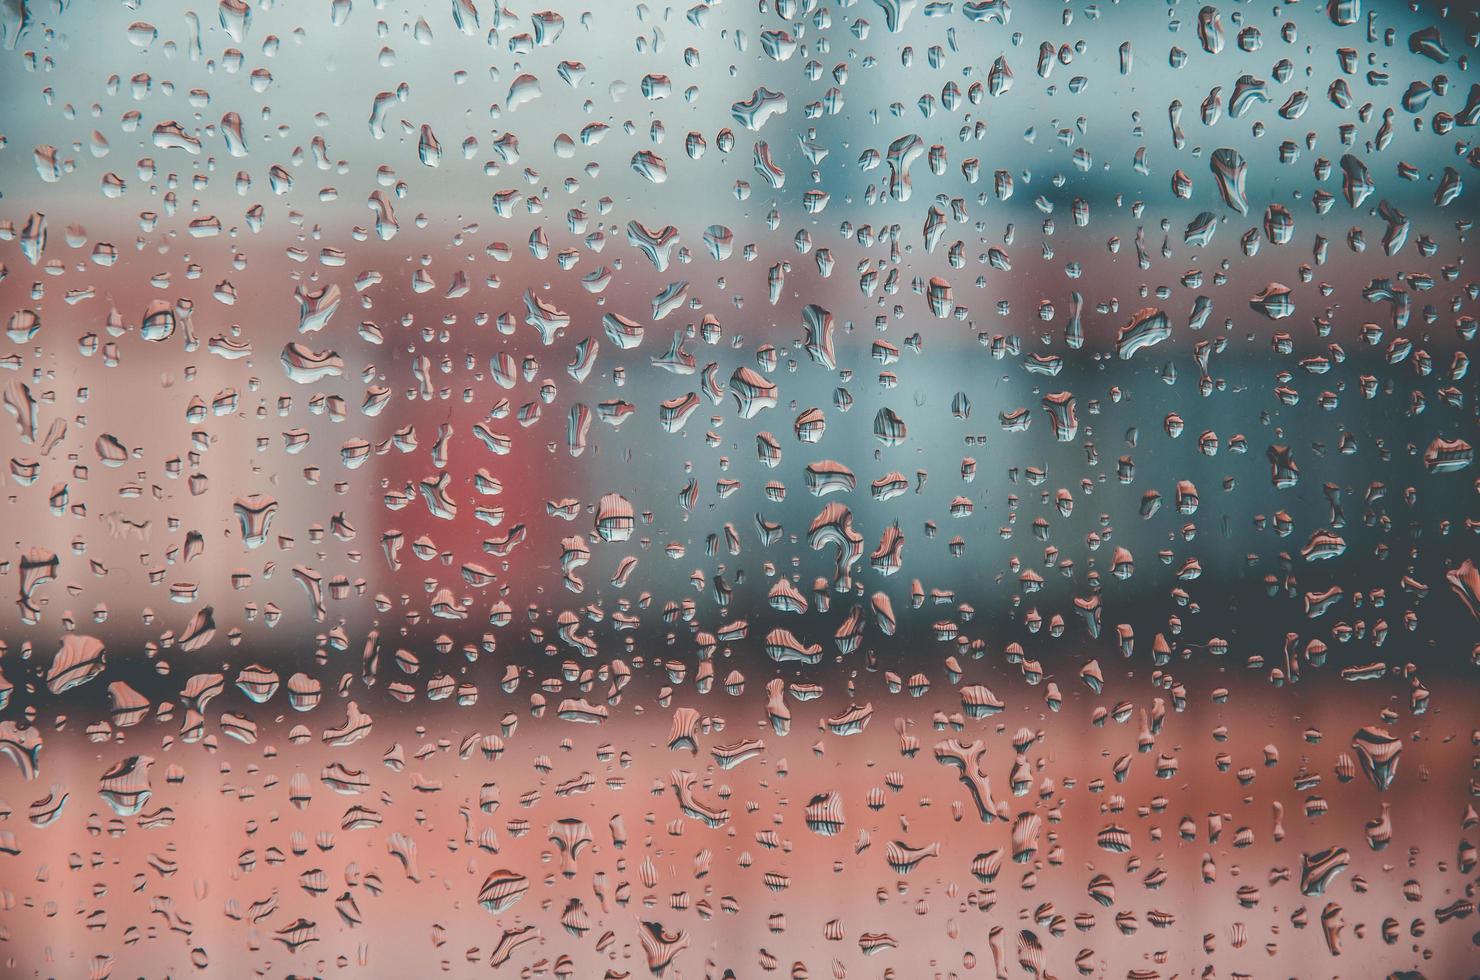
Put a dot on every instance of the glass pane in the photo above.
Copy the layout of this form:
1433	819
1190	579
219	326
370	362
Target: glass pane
832	488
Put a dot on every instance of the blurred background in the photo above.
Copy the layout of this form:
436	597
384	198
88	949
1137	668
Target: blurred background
415	189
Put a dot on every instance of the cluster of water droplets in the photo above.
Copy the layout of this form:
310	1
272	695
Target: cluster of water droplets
828	487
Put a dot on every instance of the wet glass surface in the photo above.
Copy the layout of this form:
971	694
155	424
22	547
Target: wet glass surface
818	488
